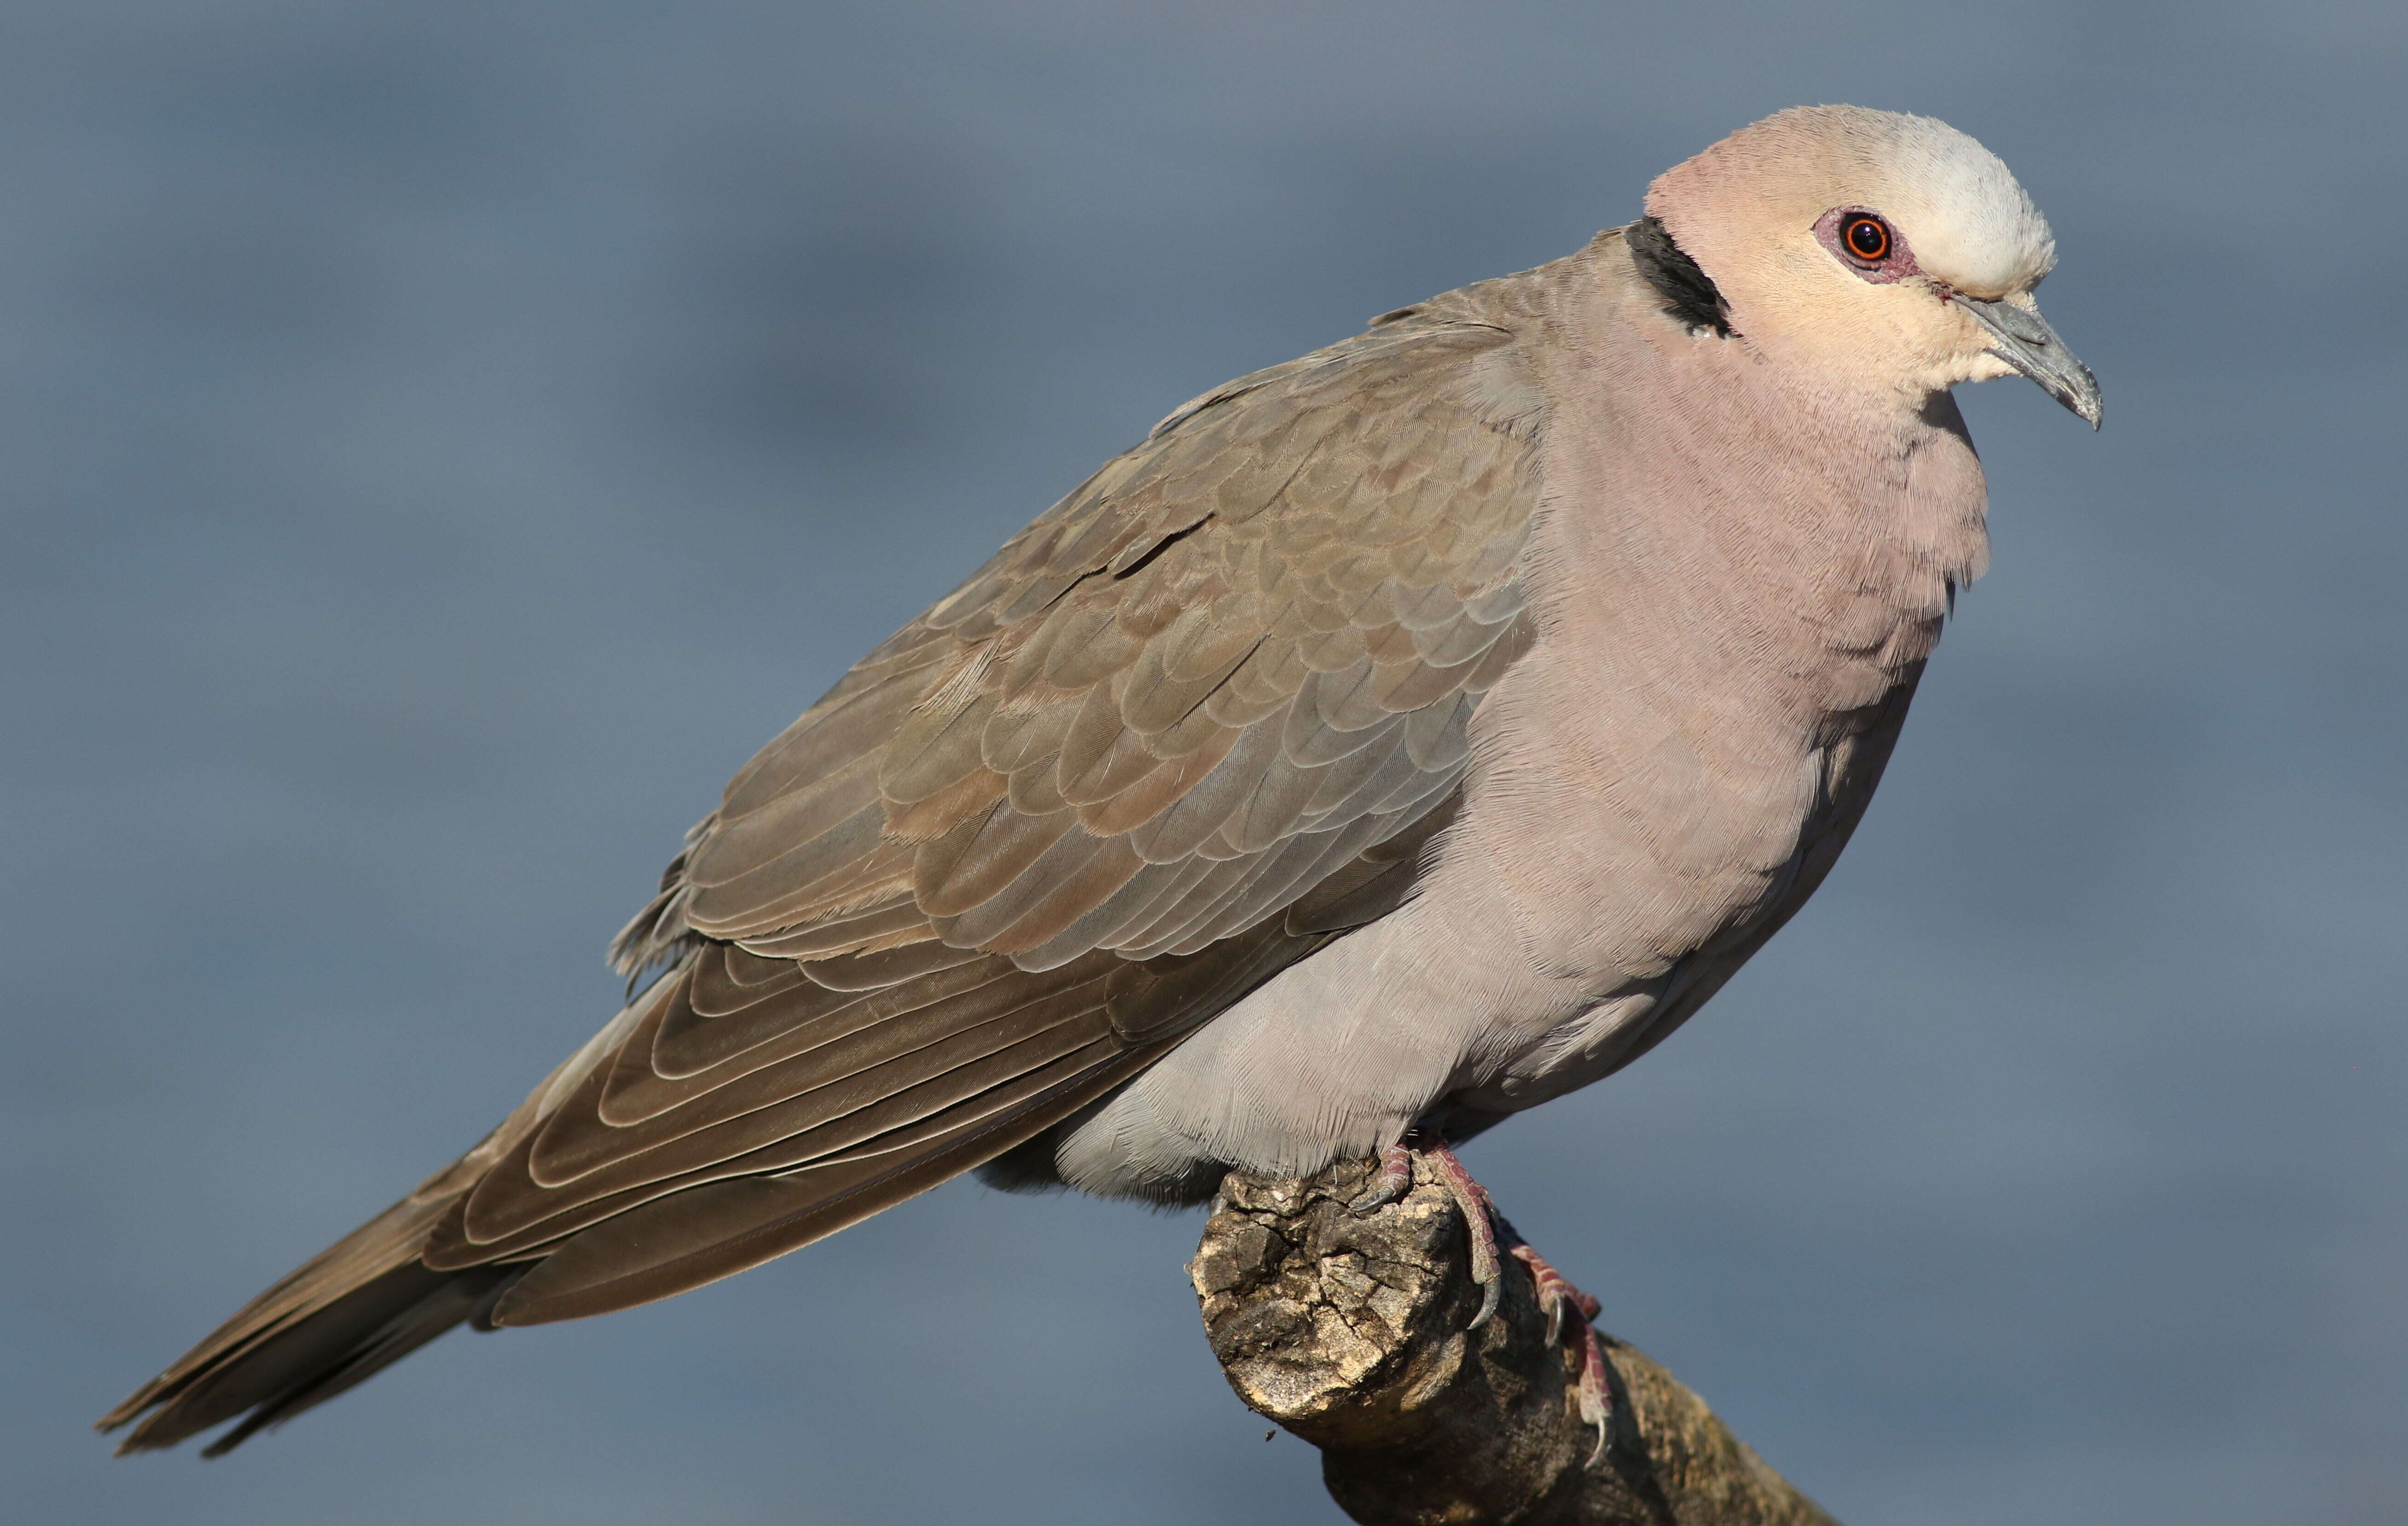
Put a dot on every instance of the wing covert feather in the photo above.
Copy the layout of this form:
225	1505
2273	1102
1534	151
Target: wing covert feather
1203	716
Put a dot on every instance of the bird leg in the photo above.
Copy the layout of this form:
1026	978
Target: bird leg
1395	1179
1486	1227
1479	1222
1555	1293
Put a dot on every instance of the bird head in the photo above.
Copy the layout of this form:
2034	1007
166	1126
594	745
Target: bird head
1890	253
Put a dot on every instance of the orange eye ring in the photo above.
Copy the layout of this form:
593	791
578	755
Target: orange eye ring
1866	237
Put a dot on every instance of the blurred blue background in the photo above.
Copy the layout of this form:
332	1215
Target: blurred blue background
443	441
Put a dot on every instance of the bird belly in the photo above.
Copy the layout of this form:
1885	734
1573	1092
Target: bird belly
1561	928
1334	1057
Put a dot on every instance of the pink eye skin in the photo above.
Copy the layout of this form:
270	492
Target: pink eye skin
1866	243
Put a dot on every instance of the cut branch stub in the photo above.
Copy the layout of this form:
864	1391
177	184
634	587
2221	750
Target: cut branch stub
1350	1330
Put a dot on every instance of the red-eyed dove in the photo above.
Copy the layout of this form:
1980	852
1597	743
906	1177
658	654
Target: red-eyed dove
1394	740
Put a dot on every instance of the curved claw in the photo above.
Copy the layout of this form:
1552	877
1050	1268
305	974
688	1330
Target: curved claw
1373	1202
1596	1397
1491	1292
1395	1179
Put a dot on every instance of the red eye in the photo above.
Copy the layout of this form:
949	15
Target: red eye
1866	237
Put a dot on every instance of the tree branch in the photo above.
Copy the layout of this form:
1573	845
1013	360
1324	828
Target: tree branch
1349	1329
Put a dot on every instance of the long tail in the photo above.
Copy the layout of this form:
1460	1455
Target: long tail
415	1271
353	1310
350	1311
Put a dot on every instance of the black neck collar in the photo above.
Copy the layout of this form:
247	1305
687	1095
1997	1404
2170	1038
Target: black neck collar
1689	294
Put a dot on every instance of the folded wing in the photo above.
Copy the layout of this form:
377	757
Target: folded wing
1199	719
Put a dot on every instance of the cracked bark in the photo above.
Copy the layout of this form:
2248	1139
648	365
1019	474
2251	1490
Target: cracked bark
1349	1331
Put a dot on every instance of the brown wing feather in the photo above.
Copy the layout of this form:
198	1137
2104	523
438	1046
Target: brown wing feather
1197	720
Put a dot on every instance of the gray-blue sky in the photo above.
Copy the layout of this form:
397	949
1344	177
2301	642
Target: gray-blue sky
443	441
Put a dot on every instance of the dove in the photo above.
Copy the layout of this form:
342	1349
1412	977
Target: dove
1394	740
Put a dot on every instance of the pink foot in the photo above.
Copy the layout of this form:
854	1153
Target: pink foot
1480	1222
1555	1293
1396	1179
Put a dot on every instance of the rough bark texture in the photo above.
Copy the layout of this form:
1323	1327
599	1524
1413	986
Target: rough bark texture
1349	1329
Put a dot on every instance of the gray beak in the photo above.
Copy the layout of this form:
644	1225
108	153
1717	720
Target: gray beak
2022	339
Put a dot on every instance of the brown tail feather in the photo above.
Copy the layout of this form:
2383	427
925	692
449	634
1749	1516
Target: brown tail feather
361	1306
355	1308
360	1334
372	1298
